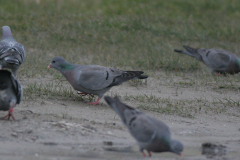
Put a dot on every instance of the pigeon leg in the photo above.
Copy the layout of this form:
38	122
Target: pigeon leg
149	154
96	103
181	155
144	155
10	114
218	74
84	94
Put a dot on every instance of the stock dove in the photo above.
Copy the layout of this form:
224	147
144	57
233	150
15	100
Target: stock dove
150	133
10	92
93	79
217	60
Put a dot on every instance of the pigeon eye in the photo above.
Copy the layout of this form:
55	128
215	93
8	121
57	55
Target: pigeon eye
53	61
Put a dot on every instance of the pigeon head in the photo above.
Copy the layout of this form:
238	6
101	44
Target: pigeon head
60	64
6	31
176	147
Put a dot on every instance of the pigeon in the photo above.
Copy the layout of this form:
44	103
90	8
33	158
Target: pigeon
151	134
217	60
10	92
93	79
12	53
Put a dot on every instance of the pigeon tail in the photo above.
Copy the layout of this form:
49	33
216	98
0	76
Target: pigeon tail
142	77
190	49
127	75
178	50
183	52
118	106
190	52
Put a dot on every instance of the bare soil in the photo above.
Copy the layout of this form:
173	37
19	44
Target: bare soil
67	130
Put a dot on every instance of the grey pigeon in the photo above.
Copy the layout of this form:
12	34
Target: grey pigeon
217	60
12	53
10	92
93	79
150	133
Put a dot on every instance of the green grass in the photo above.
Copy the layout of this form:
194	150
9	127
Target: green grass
125	34
183	107
57	90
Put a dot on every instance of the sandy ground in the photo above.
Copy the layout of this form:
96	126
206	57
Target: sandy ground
67	130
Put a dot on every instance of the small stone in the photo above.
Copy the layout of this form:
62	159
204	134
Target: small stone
109	143
14	134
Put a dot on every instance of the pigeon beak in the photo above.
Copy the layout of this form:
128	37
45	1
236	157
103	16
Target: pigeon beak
50	65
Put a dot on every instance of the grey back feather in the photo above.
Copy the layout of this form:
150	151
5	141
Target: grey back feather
94	77
10	48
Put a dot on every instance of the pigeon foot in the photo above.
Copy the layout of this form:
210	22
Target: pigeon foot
149	154
10	114
95	103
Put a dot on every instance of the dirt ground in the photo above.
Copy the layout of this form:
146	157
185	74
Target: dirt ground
68	130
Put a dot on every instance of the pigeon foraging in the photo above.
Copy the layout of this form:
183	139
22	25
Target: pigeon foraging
151	134
217	60
93	79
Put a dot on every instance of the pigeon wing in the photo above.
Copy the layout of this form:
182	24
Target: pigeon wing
97	77
217	58
3	48
20	49
141	128
17	88
145	128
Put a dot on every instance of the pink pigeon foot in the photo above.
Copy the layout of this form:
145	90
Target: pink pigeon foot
218	74
144	155
181	155
10	114
149	154
95	103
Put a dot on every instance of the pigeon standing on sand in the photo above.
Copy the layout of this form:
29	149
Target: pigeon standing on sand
150	133
10	92
93	79
12	53
217	60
